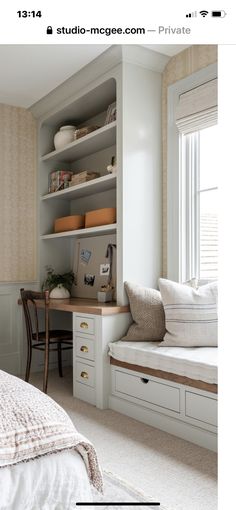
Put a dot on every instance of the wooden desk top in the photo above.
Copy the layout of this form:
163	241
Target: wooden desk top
79	305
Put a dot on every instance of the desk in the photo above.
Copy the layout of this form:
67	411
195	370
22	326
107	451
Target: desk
94	326
85	306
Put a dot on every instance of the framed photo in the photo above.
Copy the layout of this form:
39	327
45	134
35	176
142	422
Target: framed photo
111	113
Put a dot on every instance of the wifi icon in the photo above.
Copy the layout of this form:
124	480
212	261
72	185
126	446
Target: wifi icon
203	13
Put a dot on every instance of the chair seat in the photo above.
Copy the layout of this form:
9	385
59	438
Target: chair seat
55	335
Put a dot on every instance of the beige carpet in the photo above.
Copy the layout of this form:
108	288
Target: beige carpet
177	473
116	491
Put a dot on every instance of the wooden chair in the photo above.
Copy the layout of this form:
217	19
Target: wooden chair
42	340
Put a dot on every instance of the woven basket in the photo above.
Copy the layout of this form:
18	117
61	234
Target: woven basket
84	131
84	177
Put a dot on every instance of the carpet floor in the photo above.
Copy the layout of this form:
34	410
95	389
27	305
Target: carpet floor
179	474
117	491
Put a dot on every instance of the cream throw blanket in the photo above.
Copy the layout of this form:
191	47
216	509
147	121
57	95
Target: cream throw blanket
32	424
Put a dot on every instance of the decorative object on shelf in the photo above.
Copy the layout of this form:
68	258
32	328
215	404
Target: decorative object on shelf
59	179
59	285
111	113
64	136
73	222
105	294
112	167
105	216
83	131
84	176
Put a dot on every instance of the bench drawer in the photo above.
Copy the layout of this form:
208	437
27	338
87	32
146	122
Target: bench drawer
84	374
84	347
201	408
84	325
147	390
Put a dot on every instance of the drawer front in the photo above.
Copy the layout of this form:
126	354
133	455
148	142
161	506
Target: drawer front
84	325
84	347
84	374
84	392
201	408
147	390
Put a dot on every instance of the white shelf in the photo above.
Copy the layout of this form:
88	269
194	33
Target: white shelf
82	190
84	232
93	142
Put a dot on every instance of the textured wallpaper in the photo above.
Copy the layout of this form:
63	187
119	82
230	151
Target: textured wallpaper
18	220
185	63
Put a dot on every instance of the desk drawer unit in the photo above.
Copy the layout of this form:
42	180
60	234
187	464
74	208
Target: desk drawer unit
84	347
147	391
91	335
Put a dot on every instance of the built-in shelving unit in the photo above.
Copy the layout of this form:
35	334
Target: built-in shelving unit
131	77
92	152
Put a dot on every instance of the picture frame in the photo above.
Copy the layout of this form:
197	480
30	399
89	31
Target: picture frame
111	113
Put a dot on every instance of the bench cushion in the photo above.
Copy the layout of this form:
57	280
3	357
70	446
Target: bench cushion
199	363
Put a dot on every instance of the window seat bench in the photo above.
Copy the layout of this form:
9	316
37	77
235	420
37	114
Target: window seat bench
171	388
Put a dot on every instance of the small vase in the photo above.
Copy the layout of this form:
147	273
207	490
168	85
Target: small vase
104	297
64	136
59	292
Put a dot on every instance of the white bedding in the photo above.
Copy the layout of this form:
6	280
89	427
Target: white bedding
198	363
52	482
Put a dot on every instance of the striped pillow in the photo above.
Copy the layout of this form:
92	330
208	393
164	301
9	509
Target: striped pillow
190	315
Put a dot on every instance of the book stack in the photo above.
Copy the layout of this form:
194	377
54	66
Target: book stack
58	180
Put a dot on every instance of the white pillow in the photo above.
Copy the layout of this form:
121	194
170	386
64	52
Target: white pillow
190	315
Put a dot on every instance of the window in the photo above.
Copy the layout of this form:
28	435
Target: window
192	177
200	196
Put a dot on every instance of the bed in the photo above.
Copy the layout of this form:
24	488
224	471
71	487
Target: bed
44	462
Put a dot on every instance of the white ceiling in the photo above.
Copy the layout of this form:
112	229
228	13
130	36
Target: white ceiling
29	72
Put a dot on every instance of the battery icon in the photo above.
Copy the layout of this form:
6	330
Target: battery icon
218	14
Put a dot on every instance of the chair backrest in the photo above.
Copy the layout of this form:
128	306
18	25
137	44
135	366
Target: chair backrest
29	298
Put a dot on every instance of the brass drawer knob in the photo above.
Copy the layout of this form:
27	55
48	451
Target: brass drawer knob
84	375
84	325
84	348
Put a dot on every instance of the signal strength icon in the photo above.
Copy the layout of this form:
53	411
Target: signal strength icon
191	14
204	13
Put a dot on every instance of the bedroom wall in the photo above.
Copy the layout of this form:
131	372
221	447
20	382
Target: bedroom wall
180	66
18	222
18	194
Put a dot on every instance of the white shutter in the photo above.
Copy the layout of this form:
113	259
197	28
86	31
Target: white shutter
197	108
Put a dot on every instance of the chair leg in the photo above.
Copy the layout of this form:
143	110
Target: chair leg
46	362
59	359
28	363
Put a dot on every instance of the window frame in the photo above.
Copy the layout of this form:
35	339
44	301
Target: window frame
181	259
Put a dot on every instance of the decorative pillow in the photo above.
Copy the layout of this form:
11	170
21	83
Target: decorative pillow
147	312
190	315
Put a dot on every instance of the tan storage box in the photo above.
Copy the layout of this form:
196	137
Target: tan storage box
68	223
100	217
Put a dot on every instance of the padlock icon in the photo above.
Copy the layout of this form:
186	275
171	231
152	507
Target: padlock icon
49	30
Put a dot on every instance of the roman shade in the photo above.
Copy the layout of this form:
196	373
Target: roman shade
197	108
